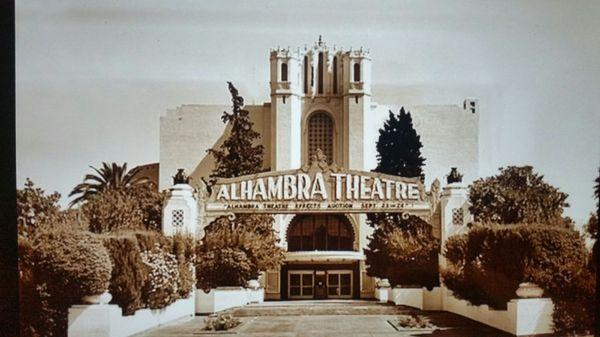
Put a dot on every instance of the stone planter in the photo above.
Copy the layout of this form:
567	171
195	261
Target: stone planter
256	294
220	298
383	291
253	284
529	290
103	298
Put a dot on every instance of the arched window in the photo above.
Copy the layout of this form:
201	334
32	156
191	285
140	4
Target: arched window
284	72
305	66
320	70
320	232
356	72
320	135
335	75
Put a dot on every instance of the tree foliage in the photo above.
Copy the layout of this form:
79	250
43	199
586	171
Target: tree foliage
237	155
136	207
401	250
109	176
404	251
399	147
487	264
235	251
517	195
37	211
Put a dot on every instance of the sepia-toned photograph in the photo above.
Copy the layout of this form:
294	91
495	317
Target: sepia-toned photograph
307	168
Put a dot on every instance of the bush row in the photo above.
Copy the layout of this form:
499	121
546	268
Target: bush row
487	264
150	270
59	266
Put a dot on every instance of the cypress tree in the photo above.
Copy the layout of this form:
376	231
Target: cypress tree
399	147
238	155
401	250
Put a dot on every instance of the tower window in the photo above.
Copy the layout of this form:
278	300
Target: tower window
284	72
320	135
305	66
335	75
356	72
320	70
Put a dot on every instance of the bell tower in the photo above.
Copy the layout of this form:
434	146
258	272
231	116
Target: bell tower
285	109
356	91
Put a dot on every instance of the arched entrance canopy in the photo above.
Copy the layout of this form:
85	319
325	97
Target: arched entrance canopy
319	188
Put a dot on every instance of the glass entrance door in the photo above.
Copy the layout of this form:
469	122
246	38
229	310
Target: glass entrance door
339	284
301	284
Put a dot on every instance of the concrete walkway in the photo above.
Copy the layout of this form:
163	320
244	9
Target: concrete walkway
351	318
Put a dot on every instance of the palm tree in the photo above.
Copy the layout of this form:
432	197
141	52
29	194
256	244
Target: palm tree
107	177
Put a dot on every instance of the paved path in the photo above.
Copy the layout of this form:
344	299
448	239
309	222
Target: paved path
326	319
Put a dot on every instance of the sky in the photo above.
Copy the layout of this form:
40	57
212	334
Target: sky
94	77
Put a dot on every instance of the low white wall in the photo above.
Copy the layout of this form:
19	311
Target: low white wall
220	299
524	316
432	299
412	297
106	320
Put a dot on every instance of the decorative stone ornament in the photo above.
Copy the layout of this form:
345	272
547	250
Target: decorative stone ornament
454	176
252	284
180	177
103	298
529	290
384	283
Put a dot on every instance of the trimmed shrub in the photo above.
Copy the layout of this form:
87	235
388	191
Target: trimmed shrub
184	251
405	251
220	322
222	268
74	263
235	251
129	273
487	264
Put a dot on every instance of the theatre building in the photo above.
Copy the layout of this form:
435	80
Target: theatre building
319	132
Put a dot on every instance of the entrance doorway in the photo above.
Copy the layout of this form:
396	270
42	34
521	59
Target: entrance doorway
320	284
301	284
339	284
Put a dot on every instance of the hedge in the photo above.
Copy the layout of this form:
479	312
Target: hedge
487	264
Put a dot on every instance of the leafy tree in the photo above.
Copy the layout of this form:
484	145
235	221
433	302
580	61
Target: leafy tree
37	211
593	230
35	208
517	195
237	155
234	251
136	207
592	226
405	251
109	176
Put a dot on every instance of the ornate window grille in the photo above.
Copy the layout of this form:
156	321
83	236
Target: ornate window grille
320	135
457	216
177	216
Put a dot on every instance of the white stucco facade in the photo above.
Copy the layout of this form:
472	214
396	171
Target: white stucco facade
321	97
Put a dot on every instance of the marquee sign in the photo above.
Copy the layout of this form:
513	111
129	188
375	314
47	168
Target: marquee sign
318	188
